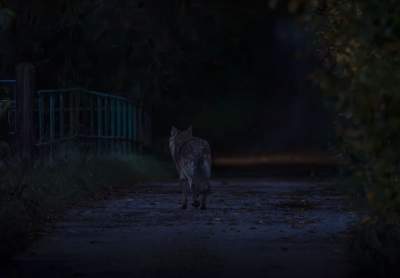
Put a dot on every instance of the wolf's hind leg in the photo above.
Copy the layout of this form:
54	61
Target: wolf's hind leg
196	202
203	202
184	196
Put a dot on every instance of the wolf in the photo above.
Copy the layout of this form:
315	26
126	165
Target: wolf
192	157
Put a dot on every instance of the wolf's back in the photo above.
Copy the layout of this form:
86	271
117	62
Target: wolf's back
200	169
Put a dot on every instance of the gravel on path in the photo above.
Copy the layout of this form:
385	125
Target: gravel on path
252	228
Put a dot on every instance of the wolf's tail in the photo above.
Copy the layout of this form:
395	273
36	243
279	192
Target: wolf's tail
201	172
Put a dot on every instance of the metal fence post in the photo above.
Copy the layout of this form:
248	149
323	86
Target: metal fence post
105	124
41	125
112	124
124	128
61	116
91	115
52	126
130	128
118	125
135	133
41	118
99	122
140	129
71	113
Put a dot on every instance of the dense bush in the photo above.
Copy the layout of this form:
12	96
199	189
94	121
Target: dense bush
358	43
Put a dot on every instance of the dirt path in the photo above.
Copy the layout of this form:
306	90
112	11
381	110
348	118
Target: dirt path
256	227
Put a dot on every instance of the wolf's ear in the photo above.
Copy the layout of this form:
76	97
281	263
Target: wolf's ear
174	131
190	130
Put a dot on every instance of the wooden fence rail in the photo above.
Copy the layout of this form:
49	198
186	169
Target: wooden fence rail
111	123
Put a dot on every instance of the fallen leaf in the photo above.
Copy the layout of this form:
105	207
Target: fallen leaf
85	218
168	225
365	219
289	222
209	223
94	241
284	248
253	228
233	224
265	217
344	232
370	196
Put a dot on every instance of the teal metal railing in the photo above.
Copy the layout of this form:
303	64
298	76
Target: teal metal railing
111	123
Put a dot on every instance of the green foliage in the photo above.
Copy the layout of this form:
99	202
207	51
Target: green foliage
360	76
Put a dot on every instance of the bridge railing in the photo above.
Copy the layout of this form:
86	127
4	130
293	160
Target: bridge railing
111	123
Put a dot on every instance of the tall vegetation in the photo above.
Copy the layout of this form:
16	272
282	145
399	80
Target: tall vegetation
358	43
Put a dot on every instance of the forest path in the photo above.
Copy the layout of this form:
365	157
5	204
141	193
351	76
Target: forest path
256	227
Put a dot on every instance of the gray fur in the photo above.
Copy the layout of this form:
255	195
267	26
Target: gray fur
192	157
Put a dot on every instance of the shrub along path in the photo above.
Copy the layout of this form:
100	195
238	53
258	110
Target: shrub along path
257	227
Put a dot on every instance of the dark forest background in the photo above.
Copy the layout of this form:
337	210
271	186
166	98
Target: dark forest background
235	70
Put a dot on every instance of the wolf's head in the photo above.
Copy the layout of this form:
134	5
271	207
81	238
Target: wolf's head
178	137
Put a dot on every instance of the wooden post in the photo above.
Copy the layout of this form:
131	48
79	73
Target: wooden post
25	132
